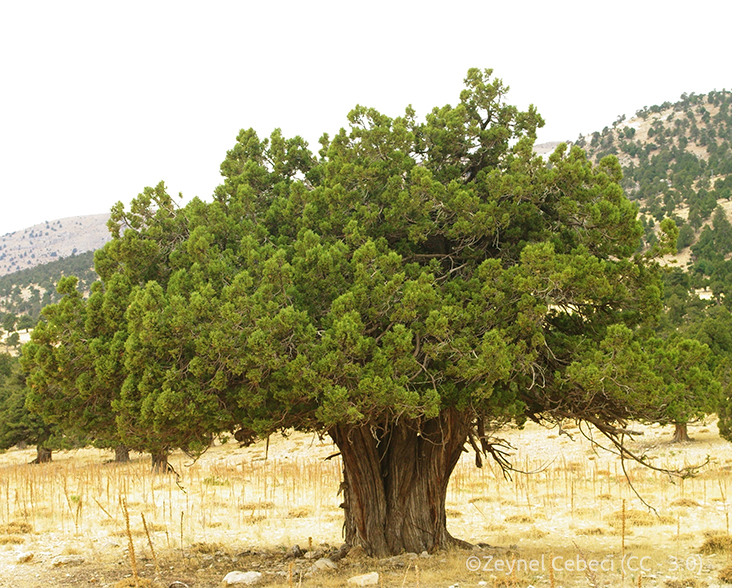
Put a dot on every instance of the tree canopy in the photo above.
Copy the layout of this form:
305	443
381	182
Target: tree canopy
17	423
408	289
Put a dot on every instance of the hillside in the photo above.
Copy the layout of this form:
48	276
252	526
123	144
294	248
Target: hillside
32	261
677	163
27	291
49	241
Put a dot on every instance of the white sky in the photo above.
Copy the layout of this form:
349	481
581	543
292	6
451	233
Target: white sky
100	99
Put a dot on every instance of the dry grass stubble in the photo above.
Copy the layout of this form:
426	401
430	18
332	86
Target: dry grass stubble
236	510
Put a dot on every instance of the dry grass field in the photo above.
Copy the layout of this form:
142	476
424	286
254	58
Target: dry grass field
575	521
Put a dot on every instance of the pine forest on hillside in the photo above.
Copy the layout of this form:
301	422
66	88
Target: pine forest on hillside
677	164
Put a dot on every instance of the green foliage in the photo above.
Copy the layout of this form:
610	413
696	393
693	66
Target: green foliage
17	424
658	380
410	268
68	385
686	236
690	391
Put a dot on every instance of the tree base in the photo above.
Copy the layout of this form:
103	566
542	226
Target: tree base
681	434
395	478
43	455
121	454
160	463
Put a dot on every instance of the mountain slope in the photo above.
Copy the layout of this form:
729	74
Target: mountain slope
677	162
27	291
52	240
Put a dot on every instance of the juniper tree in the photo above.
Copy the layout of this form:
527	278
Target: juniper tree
407	291
17	424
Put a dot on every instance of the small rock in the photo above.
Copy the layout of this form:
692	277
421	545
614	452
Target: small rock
424	555
343	550
248	578
356	552
325	563
67	560
178	585
295	552
24	557
371	579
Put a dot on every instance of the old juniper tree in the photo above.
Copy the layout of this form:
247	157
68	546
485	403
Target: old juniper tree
412	287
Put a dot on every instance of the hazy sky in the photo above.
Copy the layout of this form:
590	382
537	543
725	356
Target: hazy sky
100	99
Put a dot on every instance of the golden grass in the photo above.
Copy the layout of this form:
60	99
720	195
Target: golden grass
233	501
685	502
519	519
300	512
257	506
717	544
207	547
636	518
592	531
685	583
726	575
136	583
15	527
133	532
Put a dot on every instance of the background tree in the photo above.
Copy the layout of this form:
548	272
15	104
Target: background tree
25	322
9	322
689	389
17	424
65	388
13	340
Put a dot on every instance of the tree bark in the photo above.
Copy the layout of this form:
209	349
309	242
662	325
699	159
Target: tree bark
681	433
121	454
43	455
395	481
160	463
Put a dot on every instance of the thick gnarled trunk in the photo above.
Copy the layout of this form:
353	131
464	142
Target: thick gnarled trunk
395	481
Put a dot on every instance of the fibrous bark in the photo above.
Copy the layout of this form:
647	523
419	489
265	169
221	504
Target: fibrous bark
395	479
